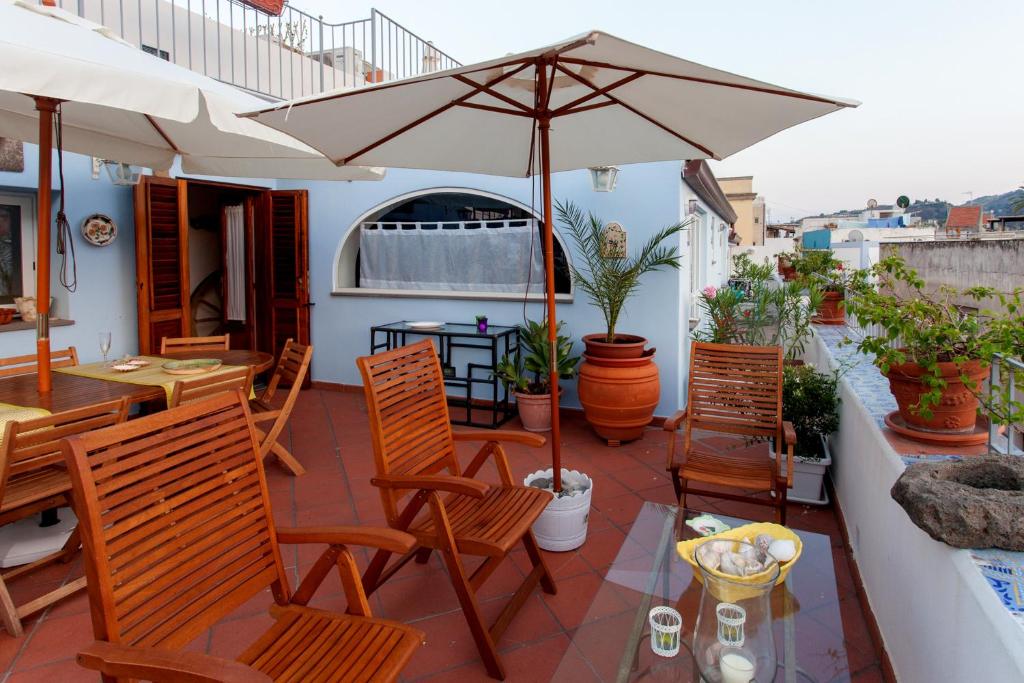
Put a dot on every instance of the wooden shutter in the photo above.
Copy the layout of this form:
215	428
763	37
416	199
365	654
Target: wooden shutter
288	258
161	260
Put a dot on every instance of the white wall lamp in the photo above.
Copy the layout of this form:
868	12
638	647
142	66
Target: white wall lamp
602	178
120	173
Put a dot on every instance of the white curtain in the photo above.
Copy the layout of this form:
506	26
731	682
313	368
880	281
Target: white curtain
426	256
235	257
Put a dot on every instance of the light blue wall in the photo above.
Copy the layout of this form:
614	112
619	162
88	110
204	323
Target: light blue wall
646	198
105	298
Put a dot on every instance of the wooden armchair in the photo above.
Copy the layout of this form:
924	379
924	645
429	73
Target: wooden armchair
175	518
733	415
32	479
425	492
292	367
190	391
27	364
217	343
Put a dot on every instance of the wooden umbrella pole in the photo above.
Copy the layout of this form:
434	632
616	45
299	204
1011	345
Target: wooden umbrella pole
46	107
544	127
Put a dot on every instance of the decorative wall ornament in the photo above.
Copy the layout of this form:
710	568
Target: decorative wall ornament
12	155
99	230
613	241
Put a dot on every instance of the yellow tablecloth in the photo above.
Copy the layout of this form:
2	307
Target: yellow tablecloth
12	413
148	375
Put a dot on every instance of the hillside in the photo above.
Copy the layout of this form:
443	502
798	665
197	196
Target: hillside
937	209
999	204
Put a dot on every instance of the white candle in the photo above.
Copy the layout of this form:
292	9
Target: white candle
736	668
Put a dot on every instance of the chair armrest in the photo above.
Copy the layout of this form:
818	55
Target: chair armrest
391	540
672	423
151	664
433	482
501	435
789	433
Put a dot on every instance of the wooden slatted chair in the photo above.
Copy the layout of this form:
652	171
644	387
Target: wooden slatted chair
733	416
178	532
32	479
26	365
291	368
414	450
217	343
192	390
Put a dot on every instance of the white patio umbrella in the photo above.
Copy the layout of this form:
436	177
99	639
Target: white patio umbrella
589	101
119	103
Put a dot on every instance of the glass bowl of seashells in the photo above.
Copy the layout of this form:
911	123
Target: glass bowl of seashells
744	554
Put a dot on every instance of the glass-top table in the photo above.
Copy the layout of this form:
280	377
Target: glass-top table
613	642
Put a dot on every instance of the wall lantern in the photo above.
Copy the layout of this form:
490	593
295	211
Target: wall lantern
602	178
120	173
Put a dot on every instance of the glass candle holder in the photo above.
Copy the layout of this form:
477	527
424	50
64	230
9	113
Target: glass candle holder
481	325
666	623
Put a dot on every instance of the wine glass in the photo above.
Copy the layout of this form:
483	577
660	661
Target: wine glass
104	344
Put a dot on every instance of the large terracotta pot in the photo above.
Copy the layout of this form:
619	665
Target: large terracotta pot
619	395
624	346
958	408
534	411
832	310
786	270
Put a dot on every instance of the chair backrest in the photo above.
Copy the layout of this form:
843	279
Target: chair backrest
218	343
25	365
408	414
192	390
735	389
175	521
32	445
292	367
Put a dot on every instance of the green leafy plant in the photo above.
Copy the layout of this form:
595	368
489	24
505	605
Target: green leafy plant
610	282
810	400
910	321
529	372
744	268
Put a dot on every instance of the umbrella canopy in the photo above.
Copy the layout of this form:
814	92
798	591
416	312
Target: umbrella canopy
122	104
588	101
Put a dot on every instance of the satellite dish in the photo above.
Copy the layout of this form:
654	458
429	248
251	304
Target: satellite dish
855	236
903	201
872	203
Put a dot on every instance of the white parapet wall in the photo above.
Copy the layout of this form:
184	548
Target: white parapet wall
939	618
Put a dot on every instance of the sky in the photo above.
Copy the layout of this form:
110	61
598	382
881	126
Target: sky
941	81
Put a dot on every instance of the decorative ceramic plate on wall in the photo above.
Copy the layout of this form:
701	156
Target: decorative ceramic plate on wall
99	230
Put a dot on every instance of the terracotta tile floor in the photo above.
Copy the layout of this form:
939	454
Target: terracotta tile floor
329	434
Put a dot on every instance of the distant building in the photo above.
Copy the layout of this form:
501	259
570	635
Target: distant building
964	219
874	215
750	211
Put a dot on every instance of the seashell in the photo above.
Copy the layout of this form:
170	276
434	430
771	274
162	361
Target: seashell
729	564
720	546
709	557
748	553
754	568
761	543
782	549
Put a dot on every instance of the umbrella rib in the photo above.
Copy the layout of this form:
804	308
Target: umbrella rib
567	108
440	110
494	93
496	110
162	134
708	81
646	117
587	107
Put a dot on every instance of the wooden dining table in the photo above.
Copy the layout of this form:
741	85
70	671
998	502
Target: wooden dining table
72	391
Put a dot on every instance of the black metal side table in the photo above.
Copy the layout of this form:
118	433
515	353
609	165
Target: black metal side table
497	341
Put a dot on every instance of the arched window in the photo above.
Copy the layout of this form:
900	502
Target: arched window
453	242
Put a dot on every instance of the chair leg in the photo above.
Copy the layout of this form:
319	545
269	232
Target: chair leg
676	484
71	547
423	555
287	459
8	612
547	582
781	489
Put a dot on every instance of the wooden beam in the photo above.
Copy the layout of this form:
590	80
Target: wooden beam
495	94
496	110
566	108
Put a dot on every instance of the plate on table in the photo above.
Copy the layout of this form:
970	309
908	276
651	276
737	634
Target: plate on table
125	367
425	325
194	366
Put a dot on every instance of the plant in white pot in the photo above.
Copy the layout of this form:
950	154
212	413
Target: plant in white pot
810	400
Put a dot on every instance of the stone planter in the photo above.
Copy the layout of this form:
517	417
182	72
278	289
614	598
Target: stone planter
534	411
563	524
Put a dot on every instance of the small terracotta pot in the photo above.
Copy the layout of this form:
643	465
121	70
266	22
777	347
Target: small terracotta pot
786	270
958	408
534	411
832	310
624	346
619	395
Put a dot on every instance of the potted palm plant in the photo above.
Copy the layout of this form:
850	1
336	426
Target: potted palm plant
527	373
618	383
935	353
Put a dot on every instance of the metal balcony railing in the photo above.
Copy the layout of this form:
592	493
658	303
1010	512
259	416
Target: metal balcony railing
1006	390
280	57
